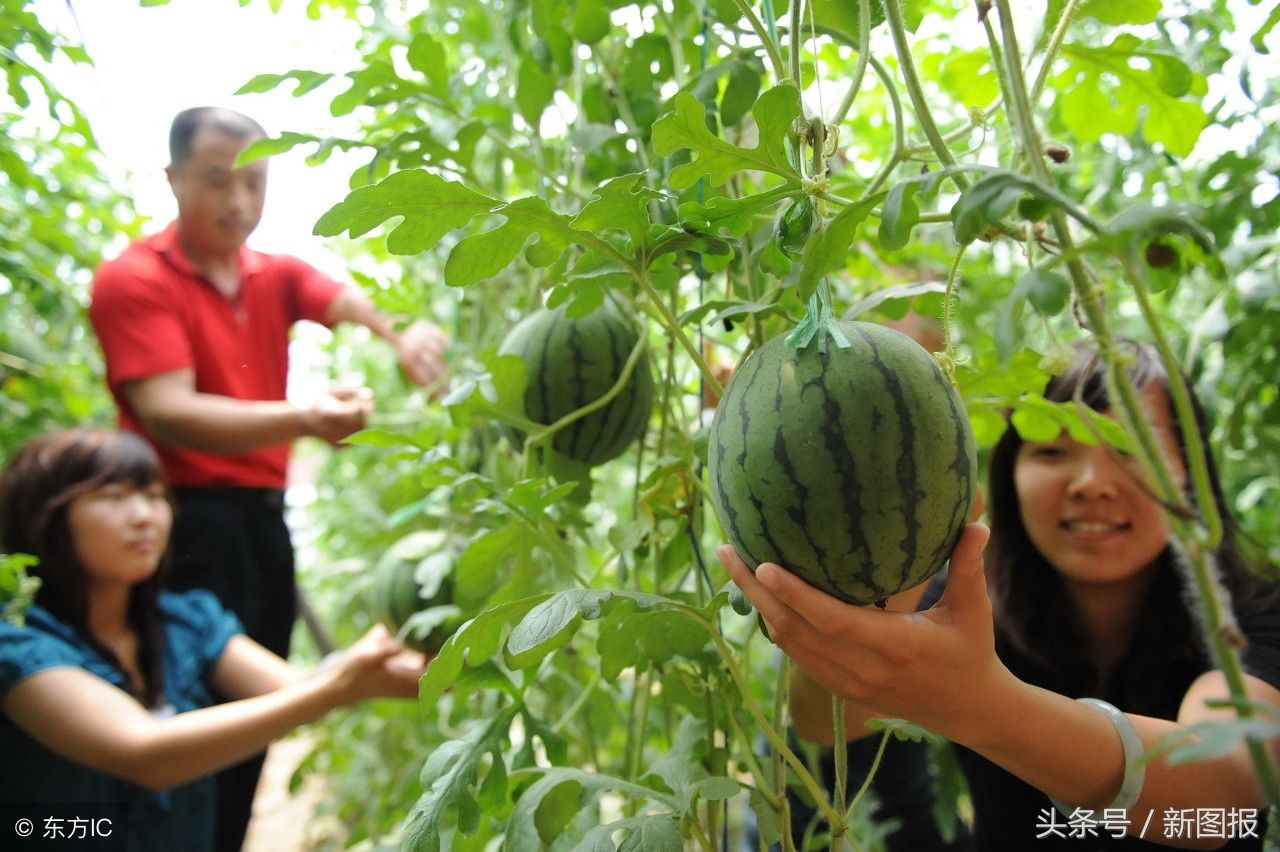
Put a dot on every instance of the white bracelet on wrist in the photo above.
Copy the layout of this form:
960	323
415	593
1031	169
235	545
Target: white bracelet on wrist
1135	773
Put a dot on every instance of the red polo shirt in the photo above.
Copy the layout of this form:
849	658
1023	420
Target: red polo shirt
154	313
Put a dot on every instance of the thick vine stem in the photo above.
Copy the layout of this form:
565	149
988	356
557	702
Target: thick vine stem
1197	463
1129	408
775	739
859	70
656	308
775	58
898	154
898	28
1052	48
840	756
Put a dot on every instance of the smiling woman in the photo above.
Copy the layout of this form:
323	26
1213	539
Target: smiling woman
1085	602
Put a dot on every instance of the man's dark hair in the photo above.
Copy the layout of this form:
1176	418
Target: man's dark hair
189	121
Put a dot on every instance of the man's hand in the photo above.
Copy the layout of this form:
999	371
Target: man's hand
420	348
342	412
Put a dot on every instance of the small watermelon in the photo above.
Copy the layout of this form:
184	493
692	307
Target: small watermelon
412	591
572	362
853	468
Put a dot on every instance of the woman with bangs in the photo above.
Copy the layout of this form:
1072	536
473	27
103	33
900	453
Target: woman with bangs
107	690
1072	655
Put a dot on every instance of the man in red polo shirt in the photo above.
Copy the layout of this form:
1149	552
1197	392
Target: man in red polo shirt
194	327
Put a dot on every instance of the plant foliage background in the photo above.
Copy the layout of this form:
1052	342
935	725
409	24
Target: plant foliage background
730	169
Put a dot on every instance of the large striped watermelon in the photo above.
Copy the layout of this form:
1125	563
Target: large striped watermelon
854	468
572	362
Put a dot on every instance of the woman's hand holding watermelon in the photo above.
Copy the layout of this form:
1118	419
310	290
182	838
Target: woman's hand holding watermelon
937	668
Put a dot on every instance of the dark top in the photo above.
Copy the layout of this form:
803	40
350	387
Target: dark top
1011	814
196	629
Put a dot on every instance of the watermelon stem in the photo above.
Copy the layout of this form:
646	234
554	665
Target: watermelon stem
819	323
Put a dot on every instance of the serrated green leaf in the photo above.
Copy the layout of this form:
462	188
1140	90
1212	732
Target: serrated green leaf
267	147
829	252
307	81
473	644
430	206
448	777
481	256
1106	88
718	160
619	204
729	216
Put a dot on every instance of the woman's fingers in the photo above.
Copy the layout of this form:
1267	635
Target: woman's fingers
966	582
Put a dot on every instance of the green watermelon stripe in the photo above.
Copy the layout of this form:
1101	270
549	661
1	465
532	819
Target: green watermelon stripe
570	440
905	471
758	503
962	465
835	432
550	342
739	469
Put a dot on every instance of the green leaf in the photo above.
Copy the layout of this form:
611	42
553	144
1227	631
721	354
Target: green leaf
899	215
731	217
1118	12
993	197
718	160
767	821
546	807
449	776
267	147
659	832
620	204
307	81
496	393
1107	88
632	637
534	90
842	19
902	729
428	56
1047	291
590	21
430	206
741	90
680	766
481	256
473	644
885	294
829	252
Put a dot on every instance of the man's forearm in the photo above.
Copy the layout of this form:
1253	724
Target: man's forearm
220	424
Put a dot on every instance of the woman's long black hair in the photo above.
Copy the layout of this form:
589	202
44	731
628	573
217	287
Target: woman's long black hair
37	486
1035	625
